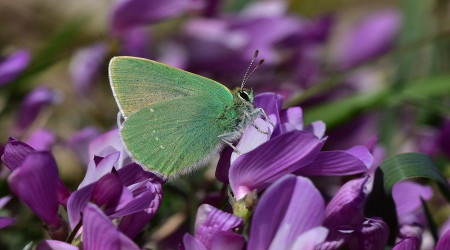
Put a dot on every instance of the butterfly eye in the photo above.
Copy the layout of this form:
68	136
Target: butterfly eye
244	96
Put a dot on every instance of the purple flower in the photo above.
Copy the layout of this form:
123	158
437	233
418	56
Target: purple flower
79	142
129	192
32	105
136	42
100	233
35	181
129	14
11	67
409	243
444	241
42	139
5	221
348	227
55	245
85	66
371	37
289	148
213	230
289	215
108	143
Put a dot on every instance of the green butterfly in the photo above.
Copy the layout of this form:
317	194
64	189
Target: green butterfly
172	121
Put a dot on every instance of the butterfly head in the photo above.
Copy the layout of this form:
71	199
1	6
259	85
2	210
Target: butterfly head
244	95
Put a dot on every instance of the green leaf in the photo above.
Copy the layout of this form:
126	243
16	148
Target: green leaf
412	165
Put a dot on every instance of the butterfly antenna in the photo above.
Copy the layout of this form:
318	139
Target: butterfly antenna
251	73
248	69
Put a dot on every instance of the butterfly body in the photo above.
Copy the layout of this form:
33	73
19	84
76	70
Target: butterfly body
175	121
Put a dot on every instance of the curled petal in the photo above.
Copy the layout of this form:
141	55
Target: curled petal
345	209
288	208
11	68
373	234
100	233
108	143
409	243
210	221
35	182
317	128
338	163
55	245
277	157
15	153
42	139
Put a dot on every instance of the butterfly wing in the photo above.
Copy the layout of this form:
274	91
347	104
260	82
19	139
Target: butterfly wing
172	117
137	83
174	136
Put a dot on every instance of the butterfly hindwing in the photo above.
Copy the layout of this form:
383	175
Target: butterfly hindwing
138	83
172	136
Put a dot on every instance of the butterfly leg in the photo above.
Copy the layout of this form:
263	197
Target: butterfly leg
222	137
254	125
261	111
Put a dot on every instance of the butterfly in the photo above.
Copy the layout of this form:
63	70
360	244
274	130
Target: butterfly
172	121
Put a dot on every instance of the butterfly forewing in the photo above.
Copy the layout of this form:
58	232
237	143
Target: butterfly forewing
172	117
138	82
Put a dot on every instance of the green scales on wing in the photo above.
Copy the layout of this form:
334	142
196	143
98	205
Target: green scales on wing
172	118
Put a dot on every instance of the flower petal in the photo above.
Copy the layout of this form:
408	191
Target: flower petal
290	119
108	143
310	239
6	222
80	140
4	200
409	243
77	202
270	102
42	139
100	233
86	65
444	241
373	234
345	209
136	42
210	221
291	201
317	128
131	225
55	245
227	241
32	105
11	68
407	195
129	14
277	157
191	243
336	163
35	183
15	153
133	173
96	171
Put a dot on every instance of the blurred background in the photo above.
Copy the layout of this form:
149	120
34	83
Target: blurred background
365	68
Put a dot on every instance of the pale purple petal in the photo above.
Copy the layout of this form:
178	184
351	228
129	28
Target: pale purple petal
97	171
35	183
128	14
80	140
337	163
136	42
292	202
290	119
108	143
310	239
270	102
6	222
15	153
371	37
33	104
12	67
77	202
317	128
100	233
273	159
444	227
55	245
86	65
191	243
227	241
252	138
336	239
4	200
346	207
407	196
444	242
174	54
210	221
409	243
42	139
